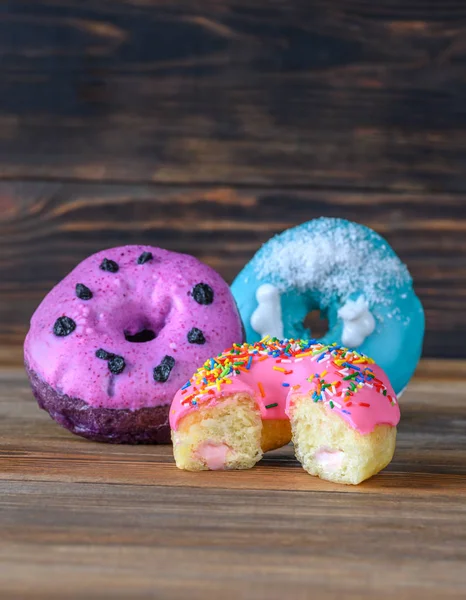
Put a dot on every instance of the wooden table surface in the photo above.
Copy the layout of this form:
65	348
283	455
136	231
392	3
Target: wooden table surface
87	520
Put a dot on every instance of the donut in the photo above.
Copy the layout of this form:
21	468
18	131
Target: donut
335	404
109	346
349	273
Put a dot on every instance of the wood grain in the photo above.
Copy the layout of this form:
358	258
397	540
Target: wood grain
47	228
81	519
208	127
352	94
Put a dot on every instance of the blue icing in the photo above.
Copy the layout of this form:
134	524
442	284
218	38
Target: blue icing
325	263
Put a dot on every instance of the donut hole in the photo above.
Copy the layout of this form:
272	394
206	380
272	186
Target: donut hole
143	327
317	322
140	337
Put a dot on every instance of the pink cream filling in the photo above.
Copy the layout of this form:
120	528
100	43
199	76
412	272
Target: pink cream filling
214	455
330	459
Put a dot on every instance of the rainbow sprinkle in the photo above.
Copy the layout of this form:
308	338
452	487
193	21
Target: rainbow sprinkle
353	369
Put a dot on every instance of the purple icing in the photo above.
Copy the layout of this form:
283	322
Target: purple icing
152	302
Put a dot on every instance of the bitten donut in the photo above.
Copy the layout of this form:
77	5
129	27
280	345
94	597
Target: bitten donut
109	346
352	276
336	405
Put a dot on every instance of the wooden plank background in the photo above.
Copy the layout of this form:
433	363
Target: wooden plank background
205	127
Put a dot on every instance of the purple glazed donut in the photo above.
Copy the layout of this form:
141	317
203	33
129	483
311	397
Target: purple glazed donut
109	346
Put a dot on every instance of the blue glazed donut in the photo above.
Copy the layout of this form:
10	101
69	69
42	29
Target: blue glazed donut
352	276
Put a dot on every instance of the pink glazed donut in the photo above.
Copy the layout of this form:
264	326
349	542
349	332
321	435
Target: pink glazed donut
109	346
335	404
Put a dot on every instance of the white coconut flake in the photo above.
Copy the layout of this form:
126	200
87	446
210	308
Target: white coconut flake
333	257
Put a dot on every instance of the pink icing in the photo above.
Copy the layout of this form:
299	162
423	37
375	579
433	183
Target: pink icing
214	455
372	404
155	295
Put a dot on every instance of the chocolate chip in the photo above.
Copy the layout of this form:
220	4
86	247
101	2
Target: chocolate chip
203	293
109	265
195	336
83	292
103	354
163	370
64	326
145	257
116	364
